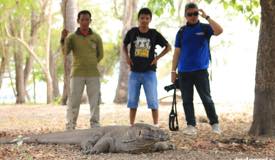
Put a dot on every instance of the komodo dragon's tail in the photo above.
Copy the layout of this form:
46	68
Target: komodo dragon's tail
66	137
18	140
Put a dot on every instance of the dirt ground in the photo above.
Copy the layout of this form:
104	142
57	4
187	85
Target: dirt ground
234	143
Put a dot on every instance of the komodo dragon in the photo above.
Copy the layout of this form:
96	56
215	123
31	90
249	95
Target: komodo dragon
140	138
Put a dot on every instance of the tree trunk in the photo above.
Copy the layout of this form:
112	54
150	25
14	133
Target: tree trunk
67	70
11	81
69	11
180	17
4	60
19	76
34	86
264	103
35	24
53	70
2	68
48	52
18	60
128	21
18	36
49	88
27	70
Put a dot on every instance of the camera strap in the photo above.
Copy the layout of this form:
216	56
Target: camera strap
173	117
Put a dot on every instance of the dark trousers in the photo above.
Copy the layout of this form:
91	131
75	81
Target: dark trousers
199	79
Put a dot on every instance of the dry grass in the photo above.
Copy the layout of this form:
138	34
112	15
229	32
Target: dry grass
235	121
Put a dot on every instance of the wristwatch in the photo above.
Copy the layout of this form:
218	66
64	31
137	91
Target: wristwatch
207	17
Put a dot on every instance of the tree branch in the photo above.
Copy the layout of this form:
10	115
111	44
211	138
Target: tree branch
120	17
55	54
25	44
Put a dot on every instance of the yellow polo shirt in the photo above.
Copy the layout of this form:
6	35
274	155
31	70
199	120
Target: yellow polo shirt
87	52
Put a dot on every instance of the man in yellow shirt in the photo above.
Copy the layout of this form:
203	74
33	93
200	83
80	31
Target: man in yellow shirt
87	49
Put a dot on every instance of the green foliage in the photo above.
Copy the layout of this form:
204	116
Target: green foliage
37	73
16	15
159	6
19	12
111	57
20	8
57	100
249	8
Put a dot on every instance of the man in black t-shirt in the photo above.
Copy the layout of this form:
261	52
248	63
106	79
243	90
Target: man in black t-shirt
142	60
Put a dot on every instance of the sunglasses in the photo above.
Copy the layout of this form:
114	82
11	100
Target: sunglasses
192	14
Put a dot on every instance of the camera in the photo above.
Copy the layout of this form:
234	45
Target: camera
172	86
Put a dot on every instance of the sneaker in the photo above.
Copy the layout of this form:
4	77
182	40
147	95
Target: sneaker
216	128
190	130
156	125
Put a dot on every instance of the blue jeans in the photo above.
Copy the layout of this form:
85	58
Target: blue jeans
149	82
199	79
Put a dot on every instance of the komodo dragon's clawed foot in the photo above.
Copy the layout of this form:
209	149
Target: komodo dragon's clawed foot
86	147
163	146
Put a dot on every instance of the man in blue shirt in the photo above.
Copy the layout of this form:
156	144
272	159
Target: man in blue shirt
191	58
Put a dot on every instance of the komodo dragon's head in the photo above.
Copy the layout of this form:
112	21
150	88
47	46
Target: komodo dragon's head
142	137
145	132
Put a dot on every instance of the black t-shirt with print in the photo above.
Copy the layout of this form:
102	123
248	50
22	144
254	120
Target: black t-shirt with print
142	49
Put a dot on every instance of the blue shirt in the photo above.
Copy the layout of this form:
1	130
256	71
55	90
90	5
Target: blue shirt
194	47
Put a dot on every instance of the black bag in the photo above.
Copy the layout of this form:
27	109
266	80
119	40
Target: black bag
173	117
